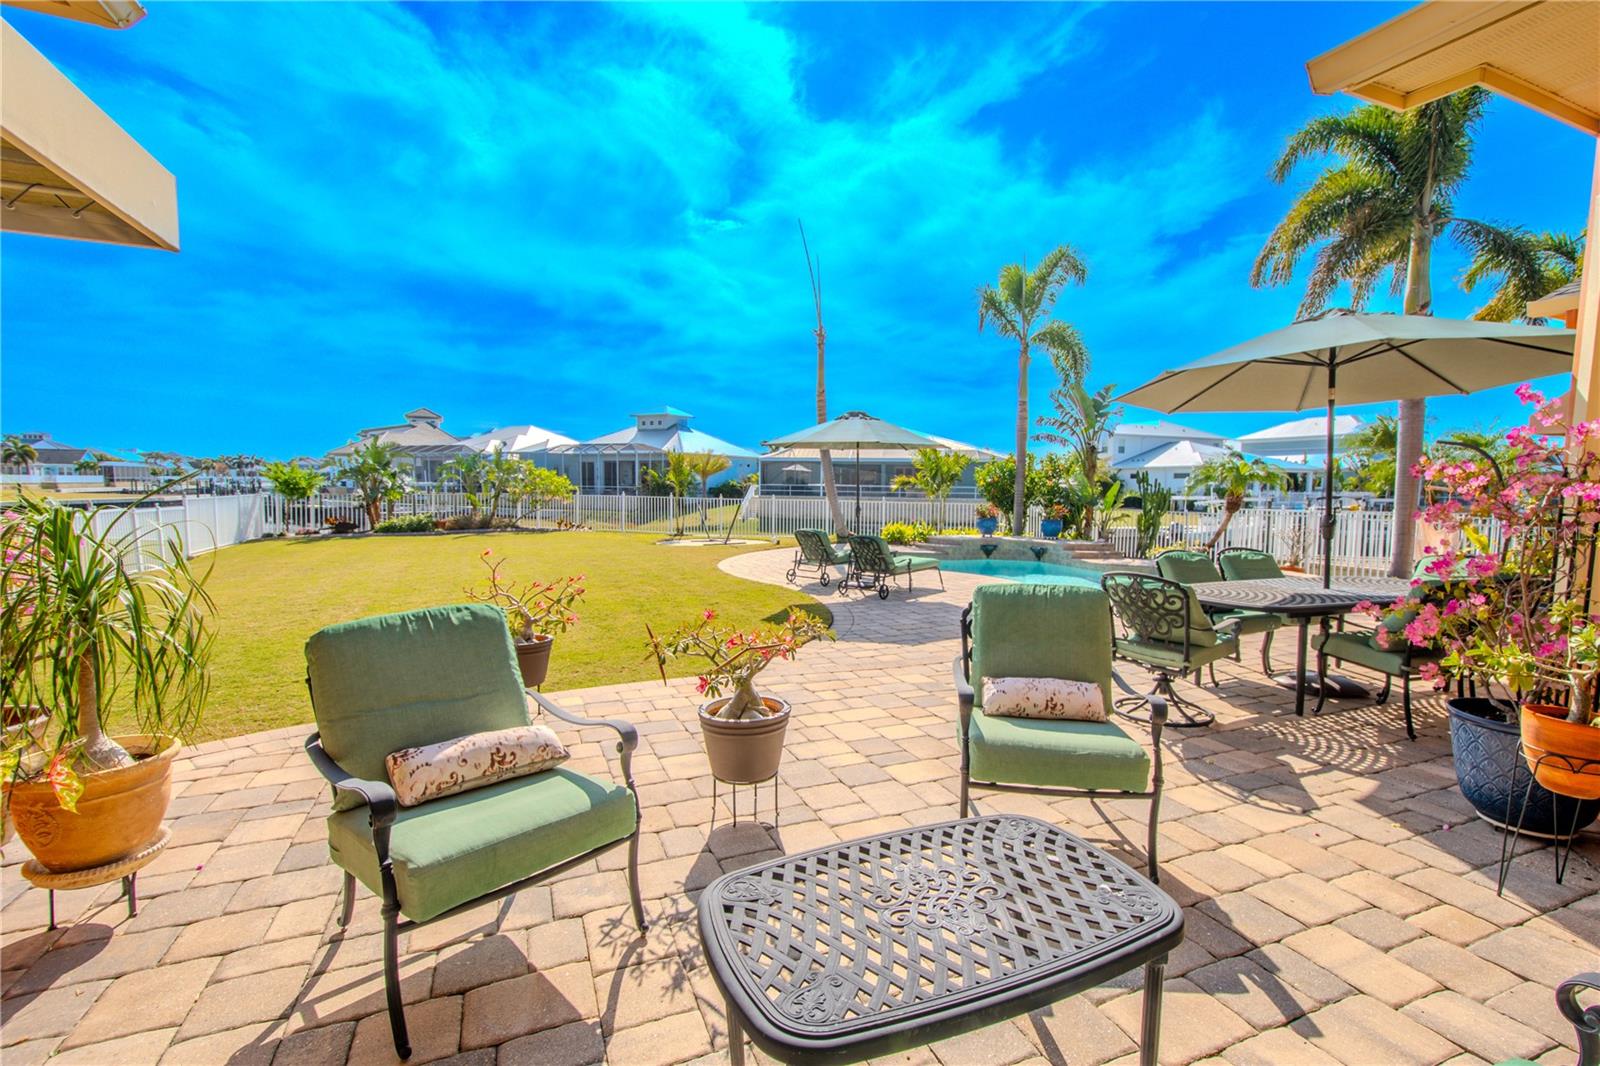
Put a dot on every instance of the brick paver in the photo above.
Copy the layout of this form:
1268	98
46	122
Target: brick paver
1340	895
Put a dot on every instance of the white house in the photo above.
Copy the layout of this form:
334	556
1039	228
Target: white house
612	464
522	442
1165	450
420	441
1303	440
798	471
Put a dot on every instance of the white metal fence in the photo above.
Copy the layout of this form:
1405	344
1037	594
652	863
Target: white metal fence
199	523
1362	540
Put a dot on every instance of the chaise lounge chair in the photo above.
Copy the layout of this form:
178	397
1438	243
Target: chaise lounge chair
873	564
816	556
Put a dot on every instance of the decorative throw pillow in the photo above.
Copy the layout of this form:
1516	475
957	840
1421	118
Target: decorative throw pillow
1043	697
465	763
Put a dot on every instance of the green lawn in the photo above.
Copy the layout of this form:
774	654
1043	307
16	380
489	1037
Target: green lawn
271	595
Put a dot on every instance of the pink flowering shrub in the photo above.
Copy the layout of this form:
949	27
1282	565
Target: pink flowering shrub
733	657
1506	614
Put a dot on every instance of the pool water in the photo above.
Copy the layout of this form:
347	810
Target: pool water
1026	571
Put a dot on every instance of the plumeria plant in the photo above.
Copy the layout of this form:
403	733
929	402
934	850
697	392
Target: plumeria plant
534	608
1504	610
734	657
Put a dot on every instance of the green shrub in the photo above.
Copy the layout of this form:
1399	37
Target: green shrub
414	523
899	533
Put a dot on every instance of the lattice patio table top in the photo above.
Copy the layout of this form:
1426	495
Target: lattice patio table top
896	940
1298	596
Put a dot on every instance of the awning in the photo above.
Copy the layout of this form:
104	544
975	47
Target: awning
1540	52
1557	304
111	14
68	170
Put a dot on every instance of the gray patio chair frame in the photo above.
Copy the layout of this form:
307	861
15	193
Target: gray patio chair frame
816	555
874	566
1264	622
1158	605
966	697
383	807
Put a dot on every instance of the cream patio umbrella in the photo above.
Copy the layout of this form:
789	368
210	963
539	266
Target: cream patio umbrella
1357	358
855	429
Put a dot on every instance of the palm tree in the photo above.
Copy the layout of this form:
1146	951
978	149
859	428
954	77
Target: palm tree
707	465
830	487
934	474
17	452
377	477
1378	210
87	465
1524	267
1373	448
679	478
1017	303
1232	474
1081	421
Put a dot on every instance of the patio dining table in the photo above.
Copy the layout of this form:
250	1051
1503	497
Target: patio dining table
1301	599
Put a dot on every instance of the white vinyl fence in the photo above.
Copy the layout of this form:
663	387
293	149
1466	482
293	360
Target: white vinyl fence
198	523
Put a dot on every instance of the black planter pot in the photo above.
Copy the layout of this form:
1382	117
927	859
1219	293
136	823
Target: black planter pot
1494	776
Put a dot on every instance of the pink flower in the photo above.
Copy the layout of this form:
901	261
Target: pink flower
710	614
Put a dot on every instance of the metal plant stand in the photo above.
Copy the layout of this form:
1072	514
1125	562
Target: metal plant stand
873	946
755	798
125	869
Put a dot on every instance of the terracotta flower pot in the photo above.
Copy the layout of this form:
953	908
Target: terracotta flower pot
1564	756
745	750
533	659
119	812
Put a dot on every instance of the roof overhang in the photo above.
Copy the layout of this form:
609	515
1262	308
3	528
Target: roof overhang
67	169
108	14
1542	53
1558	304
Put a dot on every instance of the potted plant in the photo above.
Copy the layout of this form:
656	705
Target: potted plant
1509	616
1055	517
743	730
536	612
988	519
84	636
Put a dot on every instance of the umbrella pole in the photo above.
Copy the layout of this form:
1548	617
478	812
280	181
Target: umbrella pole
1327	484
858	490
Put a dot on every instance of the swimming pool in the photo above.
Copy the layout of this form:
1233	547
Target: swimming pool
1026	571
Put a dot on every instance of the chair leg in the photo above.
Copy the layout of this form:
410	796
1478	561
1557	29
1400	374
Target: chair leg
391	981
1405	696
633	882
1388	685
1322	686
349	909
1211	668
1266	653
965	803
1189	716
1150	847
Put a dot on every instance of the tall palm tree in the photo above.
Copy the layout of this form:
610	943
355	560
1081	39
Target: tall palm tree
830	487
1524	266
1378	210
1232	475
707	465
15	451
1019	304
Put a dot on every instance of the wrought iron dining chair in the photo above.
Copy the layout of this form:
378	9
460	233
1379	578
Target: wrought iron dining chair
1059	631
1192	567
1247	564
403	680
1160	625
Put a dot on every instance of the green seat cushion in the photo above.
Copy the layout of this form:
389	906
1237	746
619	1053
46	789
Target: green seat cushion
1357	647
401	680
1033	751
1248	566
450	851
912	563
1187	567
1252	621
1059	631
1170	656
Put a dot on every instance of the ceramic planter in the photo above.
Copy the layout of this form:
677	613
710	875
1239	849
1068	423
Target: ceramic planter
744	751
533	659
1493	778
119	812
1050	528
987	526
1564	756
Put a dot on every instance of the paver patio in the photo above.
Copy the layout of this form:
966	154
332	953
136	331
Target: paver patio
1338	891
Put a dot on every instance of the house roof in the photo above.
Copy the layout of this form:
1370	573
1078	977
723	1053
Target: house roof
55	453
673	411
1188	454
515	439
1559	303
1314	428
972	451
666	439
423	412
1163	428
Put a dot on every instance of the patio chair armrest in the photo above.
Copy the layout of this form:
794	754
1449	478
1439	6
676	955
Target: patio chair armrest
627	735
964	694
1586	1021
1156	702
379	795
1228	627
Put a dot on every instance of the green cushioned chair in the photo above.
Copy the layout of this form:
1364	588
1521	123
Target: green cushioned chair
1160	625
873	564
1061	631
402	680
1192	567
1366	647
816	555
1247	564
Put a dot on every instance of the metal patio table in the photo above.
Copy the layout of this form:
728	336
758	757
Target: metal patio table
1302	599
893	941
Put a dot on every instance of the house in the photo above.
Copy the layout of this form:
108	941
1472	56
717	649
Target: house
798	471
420	441
613	463
53	463
532	443
1302	440
1165	450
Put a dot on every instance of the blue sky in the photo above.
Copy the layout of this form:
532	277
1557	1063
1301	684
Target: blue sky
563	214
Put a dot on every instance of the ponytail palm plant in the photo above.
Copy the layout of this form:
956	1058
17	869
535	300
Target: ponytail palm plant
83	633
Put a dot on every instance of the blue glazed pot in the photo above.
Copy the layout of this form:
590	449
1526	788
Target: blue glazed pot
987	526
1494	776
1050	528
